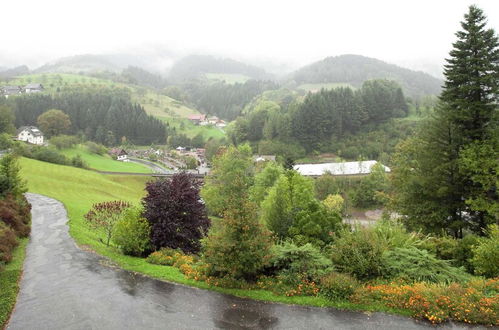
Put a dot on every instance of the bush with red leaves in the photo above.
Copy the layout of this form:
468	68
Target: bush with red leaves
176	213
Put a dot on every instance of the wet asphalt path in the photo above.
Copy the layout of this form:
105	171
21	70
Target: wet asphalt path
64	287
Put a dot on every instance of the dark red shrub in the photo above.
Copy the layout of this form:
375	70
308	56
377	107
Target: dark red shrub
15	213
176	213
8	242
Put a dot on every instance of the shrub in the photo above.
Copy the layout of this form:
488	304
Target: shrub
77	161
464	252
393	234
240	248
486	254
64	141
315	225
105	215
165	257
176	213
131	232
8	242
295	263
48	155
335	203
95	148
15	213
358	253
418	265
337	286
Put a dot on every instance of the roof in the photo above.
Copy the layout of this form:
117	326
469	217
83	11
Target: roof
9	89
197	117
346	168
118	152
34	86
31	129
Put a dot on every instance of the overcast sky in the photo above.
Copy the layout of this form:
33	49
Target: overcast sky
415	33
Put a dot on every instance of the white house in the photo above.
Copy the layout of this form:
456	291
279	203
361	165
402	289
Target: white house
119	153
30	134
33	88
346	168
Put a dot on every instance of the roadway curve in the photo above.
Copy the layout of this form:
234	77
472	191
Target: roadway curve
64	287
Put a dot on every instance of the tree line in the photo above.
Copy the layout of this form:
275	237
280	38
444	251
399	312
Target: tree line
322	117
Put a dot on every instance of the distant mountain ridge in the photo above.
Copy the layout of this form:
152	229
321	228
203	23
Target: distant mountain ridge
193	66
355	69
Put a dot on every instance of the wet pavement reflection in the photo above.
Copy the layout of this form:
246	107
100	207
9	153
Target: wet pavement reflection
64	287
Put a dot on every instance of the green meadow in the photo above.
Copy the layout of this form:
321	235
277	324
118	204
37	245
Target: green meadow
229	78
104	162
154	103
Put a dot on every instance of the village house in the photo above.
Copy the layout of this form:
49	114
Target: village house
11	90
197	119
119	153
33	88
339	169
30	134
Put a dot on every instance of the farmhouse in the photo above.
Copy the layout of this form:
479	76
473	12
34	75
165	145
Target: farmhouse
30	134
119	153
33	88
340	169
197	119
11	90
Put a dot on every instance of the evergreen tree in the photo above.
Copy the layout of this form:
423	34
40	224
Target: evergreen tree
444	178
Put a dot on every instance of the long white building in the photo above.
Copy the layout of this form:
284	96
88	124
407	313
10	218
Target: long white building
346	168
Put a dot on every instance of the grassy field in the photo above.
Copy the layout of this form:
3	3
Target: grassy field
188	128
153	102
78	189
9	279
318	87
229	78
104	162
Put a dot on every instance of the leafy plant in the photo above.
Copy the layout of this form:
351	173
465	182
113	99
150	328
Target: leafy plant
338	286
486	253
295	263
176	213
418	265
131	232
240	248
105	215
358	253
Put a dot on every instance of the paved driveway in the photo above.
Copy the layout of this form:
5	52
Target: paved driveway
64	287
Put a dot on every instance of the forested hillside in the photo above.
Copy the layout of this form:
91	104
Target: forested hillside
286	125
355	69
105	117
195	65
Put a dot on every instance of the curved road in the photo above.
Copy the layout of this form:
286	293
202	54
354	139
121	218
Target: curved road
64	287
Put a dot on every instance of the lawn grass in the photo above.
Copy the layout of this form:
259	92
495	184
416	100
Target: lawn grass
186	127
9	281
78	189
104	162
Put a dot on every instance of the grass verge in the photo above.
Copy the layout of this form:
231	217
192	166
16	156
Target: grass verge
9	281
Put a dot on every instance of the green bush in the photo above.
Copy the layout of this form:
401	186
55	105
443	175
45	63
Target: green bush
464	252
358	253
393	234
131	232
418	265
337	286
64	141
295	263
77	161
95	148
486	254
